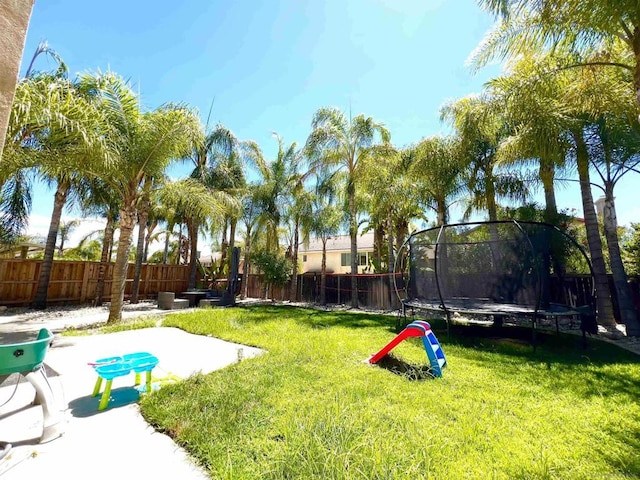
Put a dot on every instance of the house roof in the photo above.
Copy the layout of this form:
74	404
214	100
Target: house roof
339	243
9	251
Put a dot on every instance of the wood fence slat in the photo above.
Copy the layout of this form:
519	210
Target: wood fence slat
76	281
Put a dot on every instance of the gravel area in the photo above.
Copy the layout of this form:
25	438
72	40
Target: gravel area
16	323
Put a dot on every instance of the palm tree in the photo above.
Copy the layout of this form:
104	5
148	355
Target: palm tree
278	179
435	165
531	103
580	27
327	217
52	123
480	130
144	145
198	204
64	231
63	162
220	162
300	216
102	201
615	145
250	218
143	214
337	143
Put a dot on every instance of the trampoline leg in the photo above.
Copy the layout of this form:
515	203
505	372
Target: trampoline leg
447	319
50	412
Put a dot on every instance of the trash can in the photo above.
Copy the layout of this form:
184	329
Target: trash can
165	300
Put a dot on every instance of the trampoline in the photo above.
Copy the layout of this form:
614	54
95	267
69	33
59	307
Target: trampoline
492	271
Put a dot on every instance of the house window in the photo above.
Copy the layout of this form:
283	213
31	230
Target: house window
345	259
304	258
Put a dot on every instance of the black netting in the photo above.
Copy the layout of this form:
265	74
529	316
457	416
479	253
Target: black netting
527	265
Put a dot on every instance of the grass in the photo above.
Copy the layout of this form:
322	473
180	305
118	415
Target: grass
132	324
313	408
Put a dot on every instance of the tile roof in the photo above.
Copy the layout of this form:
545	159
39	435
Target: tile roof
340	243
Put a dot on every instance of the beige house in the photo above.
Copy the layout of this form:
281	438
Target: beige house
338	254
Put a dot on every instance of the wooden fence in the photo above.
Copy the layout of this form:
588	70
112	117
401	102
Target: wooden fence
76	282
374	291
377	292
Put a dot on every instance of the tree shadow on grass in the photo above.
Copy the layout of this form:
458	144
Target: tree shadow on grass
319	319
410	371
559	361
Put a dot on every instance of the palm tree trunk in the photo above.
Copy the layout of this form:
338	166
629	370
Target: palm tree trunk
224	246
603	296
143	214
547	175
492	208
441	212
127	222
192	229
104	259
390	256
378	240
233	223
353	232
293	294
147	240
247	265
628	313
165	256
40	300
323	274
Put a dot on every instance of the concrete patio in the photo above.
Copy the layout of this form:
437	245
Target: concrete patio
116	442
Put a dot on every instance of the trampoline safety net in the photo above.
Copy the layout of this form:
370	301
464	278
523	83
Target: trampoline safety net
526	266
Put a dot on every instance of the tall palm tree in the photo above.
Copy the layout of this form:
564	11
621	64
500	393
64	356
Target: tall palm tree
615	145
340	143
435	164
144	145
480	129
531	103
592	98
220	164
250	218
63	161
198	204
51	124
300	216
103	202
327	217
278	179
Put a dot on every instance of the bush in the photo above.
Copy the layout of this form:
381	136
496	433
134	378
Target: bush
275	267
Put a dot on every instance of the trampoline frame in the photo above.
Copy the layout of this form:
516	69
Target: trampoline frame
496	310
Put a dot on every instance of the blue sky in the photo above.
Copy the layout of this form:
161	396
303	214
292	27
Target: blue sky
268	66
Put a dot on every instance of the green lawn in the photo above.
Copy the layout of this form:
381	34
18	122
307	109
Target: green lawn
313	408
